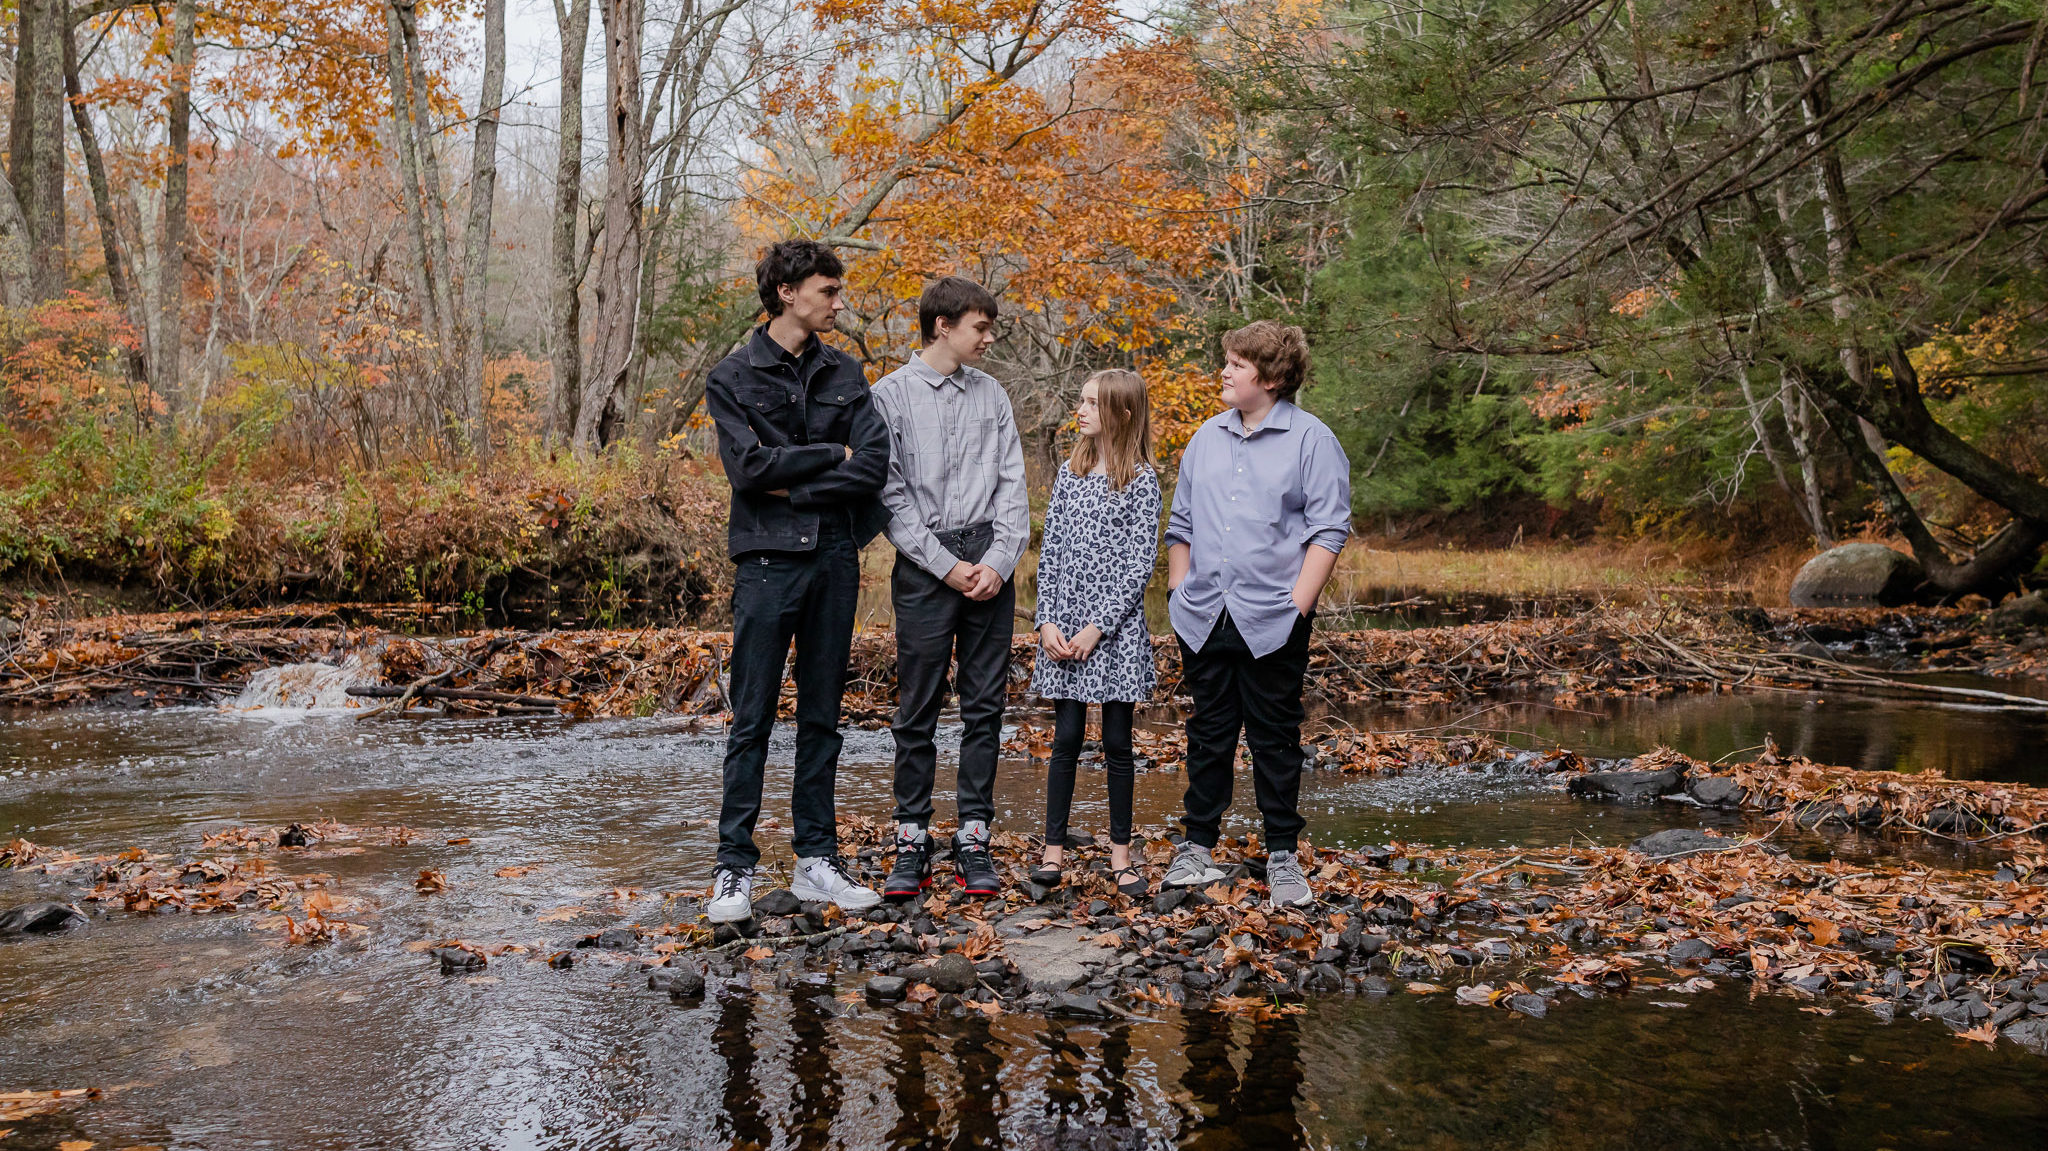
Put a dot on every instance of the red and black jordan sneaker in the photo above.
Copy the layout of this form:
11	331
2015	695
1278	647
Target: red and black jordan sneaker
913	870
976	868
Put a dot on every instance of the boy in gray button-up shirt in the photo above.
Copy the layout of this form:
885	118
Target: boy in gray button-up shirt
959	517
1261	509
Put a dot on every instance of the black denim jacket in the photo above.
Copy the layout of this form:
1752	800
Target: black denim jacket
784	426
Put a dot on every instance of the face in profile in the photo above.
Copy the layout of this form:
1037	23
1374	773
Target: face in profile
1241	384
815	303
1088	417
969	338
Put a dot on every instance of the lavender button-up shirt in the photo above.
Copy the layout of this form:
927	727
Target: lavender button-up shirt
1249	506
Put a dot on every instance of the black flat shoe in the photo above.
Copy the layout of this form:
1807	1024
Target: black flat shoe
1131	882
1048	875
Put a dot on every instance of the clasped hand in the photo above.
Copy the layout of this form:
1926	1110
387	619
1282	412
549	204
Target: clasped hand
975	581
1059	646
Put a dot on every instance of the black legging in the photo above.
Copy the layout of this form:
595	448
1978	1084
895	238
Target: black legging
1070	723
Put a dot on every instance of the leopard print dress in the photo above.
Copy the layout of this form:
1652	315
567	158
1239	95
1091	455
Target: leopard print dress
1097	556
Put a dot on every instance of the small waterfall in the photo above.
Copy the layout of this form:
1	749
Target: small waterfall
307	686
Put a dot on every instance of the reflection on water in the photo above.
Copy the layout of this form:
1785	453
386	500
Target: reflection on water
219	1037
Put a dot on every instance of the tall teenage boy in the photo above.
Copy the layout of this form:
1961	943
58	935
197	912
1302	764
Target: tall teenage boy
1261	509
959	518
806	453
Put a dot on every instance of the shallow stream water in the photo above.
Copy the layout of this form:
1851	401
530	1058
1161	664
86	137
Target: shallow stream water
208	1032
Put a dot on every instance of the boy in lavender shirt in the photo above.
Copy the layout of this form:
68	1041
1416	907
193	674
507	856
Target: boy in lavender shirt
1261	509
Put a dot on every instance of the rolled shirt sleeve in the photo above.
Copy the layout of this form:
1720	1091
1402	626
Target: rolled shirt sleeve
1326	490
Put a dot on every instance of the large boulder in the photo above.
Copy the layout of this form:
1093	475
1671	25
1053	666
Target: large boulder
1857	575
40	919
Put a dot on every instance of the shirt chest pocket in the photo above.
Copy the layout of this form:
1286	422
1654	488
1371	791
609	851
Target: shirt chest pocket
767	406
832	414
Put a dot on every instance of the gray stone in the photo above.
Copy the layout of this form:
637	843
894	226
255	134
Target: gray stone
618	939
1677	841
2020	613
2031	1034
1325	977
1863	574
1534	1006
780	901
1626	784
457	959
1169	900
2007	1014
1074	1003
40	919
679	982
887	988
953	972
1714	791
1051	960
1690	951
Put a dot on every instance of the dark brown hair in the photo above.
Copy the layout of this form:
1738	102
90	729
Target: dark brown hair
1126	437
949	298
1279	351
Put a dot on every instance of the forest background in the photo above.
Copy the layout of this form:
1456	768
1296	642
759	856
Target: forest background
353	300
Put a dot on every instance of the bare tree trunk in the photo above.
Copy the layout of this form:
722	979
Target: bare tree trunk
17	272
432	189
566	287
125	296
483	184
403	142
36	140
618	266
168	362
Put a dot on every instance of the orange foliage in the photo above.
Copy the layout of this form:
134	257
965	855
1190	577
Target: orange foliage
66	353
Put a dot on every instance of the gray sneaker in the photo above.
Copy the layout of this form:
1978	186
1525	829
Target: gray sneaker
1286	886
1192	866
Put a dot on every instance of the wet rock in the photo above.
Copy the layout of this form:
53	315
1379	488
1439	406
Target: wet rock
455	960
295	836
1861	574
679	982
40	919
1324	977
1885	1012
728	932
1714	791
2020	613
2031	1034
1373	985
1954	1012
1628	785
1198	980
1690	951
1677	841
887	988
1534	1006
2008	1013
1074	1003
953	972
562	960
780	901
1051	960
916	973
1169	900
618	939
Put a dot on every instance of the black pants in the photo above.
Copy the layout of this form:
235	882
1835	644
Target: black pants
1261	697
936	625
1070	725
777	597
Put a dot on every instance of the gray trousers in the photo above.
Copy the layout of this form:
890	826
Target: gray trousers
935	626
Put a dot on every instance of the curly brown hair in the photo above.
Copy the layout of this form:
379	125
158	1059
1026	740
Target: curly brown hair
1279	352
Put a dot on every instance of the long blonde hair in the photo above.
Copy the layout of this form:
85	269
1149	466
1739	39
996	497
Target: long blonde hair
1126	435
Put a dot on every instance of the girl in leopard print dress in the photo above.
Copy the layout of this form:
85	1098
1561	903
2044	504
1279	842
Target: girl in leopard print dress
1100	546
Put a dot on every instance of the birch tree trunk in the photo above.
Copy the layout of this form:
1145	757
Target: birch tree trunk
125	295
565	288
403	142
483	184
617	289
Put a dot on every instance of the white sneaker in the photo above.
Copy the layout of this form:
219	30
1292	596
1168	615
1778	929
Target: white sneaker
823	879
732	896
1192	866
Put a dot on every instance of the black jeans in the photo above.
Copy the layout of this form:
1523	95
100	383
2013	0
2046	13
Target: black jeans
936	625
1070	725
1261	697
777	597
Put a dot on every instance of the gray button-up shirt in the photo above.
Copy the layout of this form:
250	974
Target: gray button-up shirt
1249	505
954	460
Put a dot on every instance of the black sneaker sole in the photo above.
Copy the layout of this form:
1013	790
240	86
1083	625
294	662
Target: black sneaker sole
897	896
965	889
